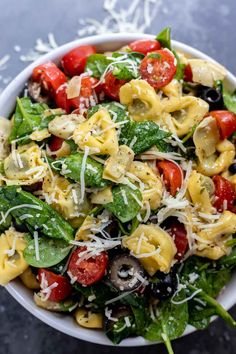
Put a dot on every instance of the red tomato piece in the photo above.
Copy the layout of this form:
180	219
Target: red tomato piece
145	46
158	68
112	86
50	76
226	122
74	62
224	194
62	285
179	234
188	74
55	143
62	100
173	175
87	271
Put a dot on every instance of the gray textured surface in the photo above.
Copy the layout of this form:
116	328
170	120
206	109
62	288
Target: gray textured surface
207	25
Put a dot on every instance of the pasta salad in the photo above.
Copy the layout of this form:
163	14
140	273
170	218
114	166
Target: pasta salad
117	189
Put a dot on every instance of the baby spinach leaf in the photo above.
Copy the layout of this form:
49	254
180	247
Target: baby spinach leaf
51	252
179	75
124	211
141	318
228	261
101	291
72	166
230	100
97	64
117	331
164	37
117	111
141	136
172	317
44	218
128	67
199	314
5	223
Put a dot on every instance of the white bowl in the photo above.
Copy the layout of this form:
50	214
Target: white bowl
62	322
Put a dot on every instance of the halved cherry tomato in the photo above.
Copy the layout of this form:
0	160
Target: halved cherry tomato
50	76
173	175
224	194
87	271
226	122
158	68
145	46
112	86
55	143
179	234
62	287
74	61
188	74
87	97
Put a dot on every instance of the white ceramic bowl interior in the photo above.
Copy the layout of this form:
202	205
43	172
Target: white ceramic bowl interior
62	322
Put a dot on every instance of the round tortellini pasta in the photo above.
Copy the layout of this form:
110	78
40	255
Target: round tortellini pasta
64	197
98	133
212	242
39	135
24	166
186	111
88	319
12	263
63	126
5	130
142	101
206	72
150	183
153	246
214	155
29	279
173	89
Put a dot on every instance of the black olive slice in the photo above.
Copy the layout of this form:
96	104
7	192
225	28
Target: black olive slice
125	272
212	96
232	168
163	286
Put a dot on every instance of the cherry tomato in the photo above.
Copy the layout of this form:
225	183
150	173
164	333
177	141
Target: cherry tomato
55	143
87	271
173	175
50	76
145	46
74	62
62	287
226	122
224	194
158	68
112	86
188	74
62	100
179	234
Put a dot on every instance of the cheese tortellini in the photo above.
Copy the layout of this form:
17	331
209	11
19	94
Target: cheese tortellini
173	89
64	196
98	133
212	242
117	165
206	72
12	263
88	319
63	126
5	130
186	111
214	155
201	189
150	183
142	101
89	227
153	246
24	166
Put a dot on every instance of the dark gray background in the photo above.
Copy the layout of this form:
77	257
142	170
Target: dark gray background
206	24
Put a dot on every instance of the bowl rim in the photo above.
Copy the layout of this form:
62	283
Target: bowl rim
15	288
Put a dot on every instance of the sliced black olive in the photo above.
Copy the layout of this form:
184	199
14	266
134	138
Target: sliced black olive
19	226
33	187
232	168
212	96
35	92
115	326
123	272
163	285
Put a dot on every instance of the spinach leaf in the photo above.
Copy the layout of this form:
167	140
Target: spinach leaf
44	218
29	117
97	64
228	261
199	314
102	292
117	111
51	252
173	319
72	166
230	100
117	331
124	211
5	223
164	37
141	136
179	75
141	318
128	68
